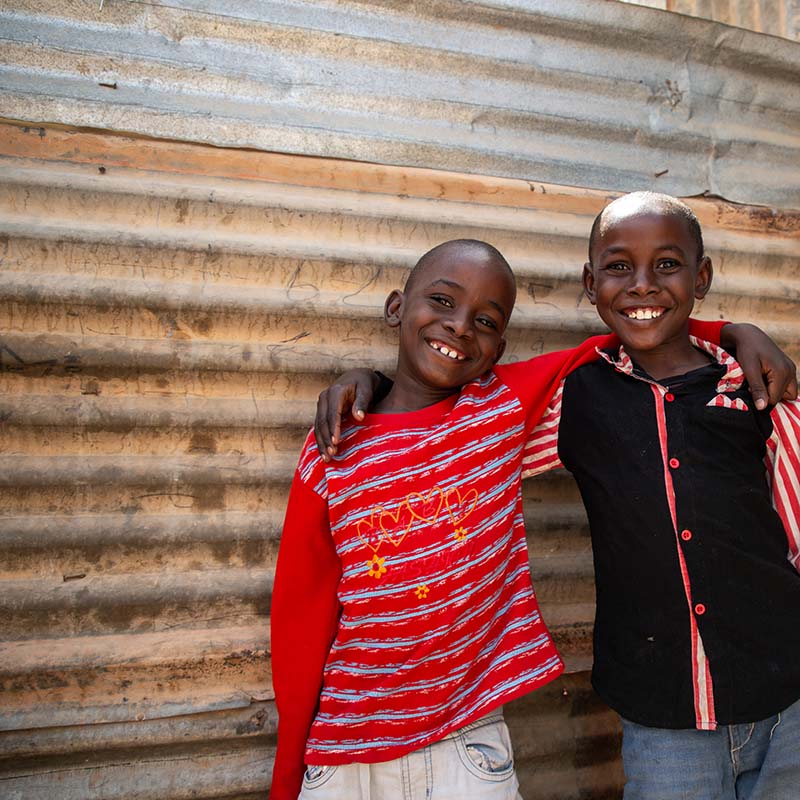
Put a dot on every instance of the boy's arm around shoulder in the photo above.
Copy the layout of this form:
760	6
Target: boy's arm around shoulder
303	620
770	373
536	380
783	466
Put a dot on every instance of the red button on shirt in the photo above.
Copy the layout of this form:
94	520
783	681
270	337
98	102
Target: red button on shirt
699	609
674	463
669	397
686	535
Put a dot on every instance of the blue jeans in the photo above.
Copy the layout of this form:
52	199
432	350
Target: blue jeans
755	761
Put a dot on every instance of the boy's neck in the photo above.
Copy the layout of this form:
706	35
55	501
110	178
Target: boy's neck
669	359
406	396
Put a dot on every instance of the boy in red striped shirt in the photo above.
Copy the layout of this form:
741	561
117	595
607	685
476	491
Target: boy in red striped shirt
403	614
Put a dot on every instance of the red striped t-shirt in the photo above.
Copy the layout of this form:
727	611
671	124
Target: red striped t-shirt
403	607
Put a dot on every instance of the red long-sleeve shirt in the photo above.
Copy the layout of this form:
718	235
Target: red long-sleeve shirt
415	530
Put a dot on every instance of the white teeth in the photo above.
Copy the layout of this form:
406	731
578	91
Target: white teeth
645	313
446	351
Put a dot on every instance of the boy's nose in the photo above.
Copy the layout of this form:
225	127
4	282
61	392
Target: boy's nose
459	325
643	281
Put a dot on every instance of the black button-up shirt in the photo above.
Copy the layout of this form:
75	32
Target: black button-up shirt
698	607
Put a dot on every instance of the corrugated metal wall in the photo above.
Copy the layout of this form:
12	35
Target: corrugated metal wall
169	313
576	92
775	17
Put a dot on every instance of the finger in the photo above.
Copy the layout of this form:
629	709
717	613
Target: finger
341	402
775	386
782	382
790	392
361	403
760	394
791	389
337	432
321	428
753	373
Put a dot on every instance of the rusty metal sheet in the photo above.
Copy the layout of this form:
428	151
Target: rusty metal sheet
776	17
168	314
574	92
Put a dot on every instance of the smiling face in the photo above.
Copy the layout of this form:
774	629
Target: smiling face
452	317
644	276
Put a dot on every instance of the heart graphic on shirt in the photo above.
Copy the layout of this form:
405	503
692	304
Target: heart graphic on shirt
396	524
459	506
369	532
426	506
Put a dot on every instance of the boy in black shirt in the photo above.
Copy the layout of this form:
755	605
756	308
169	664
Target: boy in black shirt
697	641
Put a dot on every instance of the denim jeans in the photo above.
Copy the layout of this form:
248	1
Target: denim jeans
753	761
473	763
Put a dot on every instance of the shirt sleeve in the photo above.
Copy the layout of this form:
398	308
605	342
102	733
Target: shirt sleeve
783	468
540	453
708	331
535	381
303	619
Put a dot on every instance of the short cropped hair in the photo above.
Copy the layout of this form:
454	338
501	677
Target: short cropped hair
659	203
471	244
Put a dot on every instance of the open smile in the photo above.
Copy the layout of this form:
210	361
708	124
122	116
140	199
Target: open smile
446	350
643	312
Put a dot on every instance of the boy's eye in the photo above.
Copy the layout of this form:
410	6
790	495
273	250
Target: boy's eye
616	266
668	263
442	300
488	322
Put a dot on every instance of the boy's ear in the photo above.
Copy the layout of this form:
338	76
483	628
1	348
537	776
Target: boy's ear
393	308
702	283
588	282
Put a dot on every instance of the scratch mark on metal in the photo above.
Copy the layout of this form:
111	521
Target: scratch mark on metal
296	338
294	285
373	279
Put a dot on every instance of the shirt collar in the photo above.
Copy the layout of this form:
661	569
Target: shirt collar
731	380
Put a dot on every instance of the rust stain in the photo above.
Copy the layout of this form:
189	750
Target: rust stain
254	724
202	442
182	209
210	498
91	387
